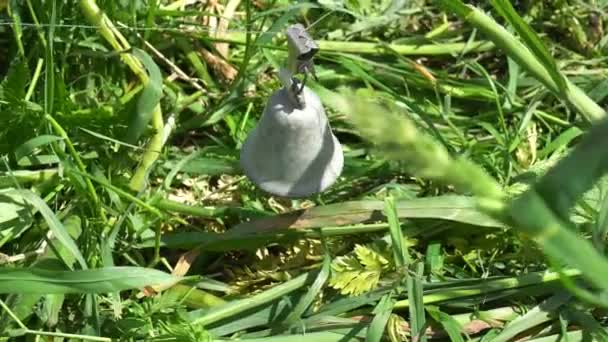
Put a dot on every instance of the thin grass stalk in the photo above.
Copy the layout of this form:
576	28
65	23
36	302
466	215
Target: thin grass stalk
81	167
525	58
490	286
367	48
232	308
121	45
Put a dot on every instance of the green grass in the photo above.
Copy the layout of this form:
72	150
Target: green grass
472	205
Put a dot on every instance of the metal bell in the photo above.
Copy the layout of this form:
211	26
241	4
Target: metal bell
292	152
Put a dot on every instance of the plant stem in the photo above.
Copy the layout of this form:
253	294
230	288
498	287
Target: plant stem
490	286
121	45
369	48
79	164
525	58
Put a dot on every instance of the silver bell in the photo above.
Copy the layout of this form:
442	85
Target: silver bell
292	152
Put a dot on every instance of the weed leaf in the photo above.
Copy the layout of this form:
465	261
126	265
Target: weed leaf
103	280
148	100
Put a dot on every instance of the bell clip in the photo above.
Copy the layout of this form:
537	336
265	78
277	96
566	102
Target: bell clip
292	152
302	48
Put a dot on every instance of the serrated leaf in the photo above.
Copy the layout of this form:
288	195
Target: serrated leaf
370	258
359	273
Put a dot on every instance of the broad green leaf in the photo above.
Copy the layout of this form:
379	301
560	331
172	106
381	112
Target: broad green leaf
15	216
561	142
103	280
576	173
53	258
38	160
148	100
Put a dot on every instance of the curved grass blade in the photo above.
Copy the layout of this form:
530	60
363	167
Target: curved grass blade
102	280
416	300
309	297
233	308
451	326
402	258
455	208
540	314
532	40
29	146
516	50
382	312
148	100
54	224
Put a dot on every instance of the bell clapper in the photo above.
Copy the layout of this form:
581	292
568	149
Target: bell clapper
292	151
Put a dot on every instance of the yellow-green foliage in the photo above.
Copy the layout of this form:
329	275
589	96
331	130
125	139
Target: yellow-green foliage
357	273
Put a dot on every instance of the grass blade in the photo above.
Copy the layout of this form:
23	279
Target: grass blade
148	100
382	312
402	258
235	307
29	146
538	315
450	207
526	59
103	280
415	296
54	224
450	325
312	293
532	40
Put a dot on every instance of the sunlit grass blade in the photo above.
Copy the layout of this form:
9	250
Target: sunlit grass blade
524	57
29	146
447	207
314	290
400	253
415	297
382	312
102	280
55	225
540	314
452	327
532	40
148	100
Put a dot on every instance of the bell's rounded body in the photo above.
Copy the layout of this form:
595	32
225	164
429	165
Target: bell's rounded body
292	152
